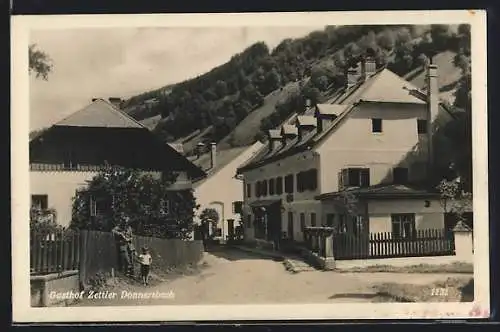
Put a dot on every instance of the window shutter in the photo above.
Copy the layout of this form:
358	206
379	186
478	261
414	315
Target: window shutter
345	178
365	177
314	179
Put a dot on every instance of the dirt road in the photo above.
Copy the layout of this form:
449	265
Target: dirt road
236	277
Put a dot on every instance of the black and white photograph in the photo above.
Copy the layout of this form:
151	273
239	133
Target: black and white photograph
250	166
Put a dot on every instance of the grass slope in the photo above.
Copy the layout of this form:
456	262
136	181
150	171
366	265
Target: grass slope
244	133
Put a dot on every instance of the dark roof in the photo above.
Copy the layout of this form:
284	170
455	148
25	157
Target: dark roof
386	191
101	114
381	86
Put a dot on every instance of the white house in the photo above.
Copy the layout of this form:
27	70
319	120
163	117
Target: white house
71	152
221	189
375	139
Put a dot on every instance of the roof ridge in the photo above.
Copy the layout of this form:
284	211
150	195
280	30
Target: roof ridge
122	113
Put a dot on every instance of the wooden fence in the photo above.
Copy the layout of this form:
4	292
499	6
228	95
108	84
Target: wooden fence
56	252
429	242
93	252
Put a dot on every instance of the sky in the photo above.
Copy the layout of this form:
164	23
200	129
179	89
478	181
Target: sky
122	62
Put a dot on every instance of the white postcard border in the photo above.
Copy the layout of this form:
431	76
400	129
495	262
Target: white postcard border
22	312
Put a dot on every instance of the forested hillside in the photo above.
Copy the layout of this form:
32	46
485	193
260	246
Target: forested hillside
277	82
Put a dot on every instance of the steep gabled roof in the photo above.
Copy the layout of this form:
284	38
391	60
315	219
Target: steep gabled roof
382	86
388	87
99	114
330	109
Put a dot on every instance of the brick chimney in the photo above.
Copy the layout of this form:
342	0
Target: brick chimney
213	155
432	107
199	149
369	67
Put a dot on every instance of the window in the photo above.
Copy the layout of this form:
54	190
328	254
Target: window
289	184
41	202
238	207
313	219
313	179
164	206
257	189
249	190
330	219
302	221
300	182
422	126
271	186
355	177
400	175
249	221
264	188
279	185
307	180
376	125
403	225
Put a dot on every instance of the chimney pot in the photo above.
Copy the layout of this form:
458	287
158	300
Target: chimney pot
432	108
213	154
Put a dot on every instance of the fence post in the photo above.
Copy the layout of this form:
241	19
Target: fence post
329	255
82	250
463	241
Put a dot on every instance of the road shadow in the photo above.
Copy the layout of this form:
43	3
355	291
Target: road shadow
234	254
367	296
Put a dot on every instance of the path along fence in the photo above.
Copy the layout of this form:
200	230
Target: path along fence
93	252
429	242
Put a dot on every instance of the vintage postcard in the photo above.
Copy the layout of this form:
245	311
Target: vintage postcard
276	166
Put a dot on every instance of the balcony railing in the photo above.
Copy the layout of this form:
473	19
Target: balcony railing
76	167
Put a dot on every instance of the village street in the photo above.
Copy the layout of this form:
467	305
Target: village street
231	276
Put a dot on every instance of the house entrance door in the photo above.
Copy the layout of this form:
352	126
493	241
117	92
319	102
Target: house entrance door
274	223
230	229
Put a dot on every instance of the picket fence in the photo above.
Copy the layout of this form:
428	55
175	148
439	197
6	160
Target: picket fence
429	242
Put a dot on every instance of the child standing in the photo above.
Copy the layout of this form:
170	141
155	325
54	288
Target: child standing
145	260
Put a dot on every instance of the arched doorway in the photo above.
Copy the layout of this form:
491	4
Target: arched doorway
218	231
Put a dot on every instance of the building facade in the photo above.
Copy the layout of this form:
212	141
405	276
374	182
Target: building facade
221	190
71	152
359	162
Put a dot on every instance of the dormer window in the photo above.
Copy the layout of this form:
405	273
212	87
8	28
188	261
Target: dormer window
376	125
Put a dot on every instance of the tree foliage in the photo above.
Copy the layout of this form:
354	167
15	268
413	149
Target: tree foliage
39	62
154	209
245	80
44	222
454	199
